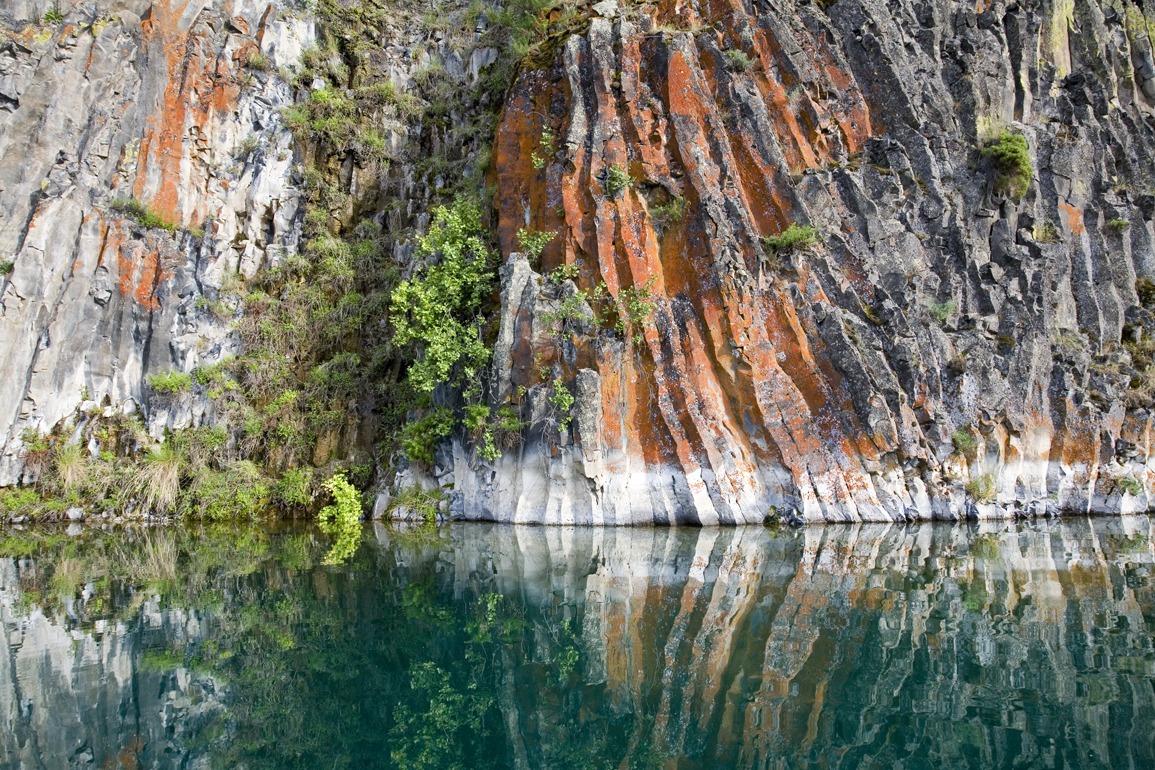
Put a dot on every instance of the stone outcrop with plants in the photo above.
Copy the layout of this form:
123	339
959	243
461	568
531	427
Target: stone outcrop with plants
893	259
615	262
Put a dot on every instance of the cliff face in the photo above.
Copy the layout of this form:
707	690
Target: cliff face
941	344
127	110
941	332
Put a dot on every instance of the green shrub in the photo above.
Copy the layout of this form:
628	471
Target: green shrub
1011	156
1045	232
982	488
346	506
942	311
793	237
508	427
1118	225
294	489
423	503
636	306
563	273
533	242
738	61
156	481
52	16
142	214
562	401
419	439
439	309
965	443
7	266
257	60
570	311
617	179
239	492
1130	485
670	213
341	518
332	116
1145	288
70	466
170	383
20	501
487	449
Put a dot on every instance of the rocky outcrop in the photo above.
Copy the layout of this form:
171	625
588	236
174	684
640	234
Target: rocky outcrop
945	349
160	104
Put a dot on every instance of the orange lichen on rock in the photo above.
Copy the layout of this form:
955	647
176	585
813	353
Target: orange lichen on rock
141	265
200	84
726	382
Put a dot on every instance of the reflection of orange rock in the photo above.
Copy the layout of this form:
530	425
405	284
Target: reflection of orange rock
733	647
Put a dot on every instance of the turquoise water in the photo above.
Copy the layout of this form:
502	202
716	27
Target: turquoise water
932	646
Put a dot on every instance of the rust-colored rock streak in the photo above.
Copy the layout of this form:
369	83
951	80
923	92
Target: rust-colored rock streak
830	379
727	392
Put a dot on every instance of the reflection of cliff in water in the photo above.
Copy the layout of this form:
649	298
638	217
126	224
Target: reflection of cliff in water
926	645
491	646
101	694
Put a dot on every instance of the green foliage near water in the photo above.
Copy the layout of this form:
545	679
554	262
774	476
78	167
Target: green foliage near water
419	439
341	519
982	488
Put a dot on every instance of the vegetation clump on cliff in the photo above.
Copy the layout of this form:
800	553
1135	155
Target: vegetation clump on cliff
438	309
1011	156
795	236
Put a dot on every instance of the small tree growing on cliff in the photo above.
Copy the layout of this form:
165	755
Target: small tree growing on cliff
439	309
617	179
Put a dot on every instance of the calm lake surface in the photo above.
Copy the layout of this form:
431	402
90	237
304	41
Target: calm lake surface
931	646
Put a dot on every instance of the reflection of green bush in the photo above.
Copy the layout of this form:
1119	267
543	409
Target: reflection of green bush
985	546
974	596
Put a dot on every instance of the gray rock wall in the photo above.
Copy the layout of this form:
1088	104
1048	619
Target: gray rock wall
144	101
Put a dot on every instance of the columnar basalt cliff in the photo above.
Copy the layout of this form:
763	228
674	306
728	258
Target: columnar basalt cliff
843	261
132	107
944	348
